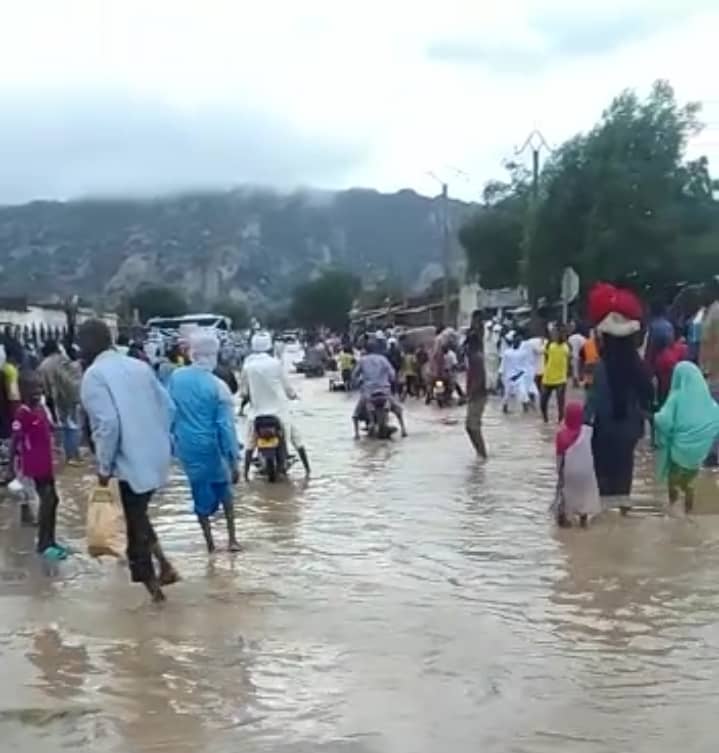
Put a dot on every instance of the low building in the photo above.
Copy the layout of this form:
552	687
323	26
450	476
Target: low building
472	297
416	311
23	319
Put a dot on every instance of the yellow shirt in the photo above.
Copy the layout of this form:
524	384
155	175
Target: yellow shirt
556	366
346	361
11	382
409	364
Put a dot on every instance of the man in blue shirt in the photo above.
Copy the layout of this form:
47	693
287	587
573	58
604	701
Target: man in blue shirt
204	435
374	375
130	415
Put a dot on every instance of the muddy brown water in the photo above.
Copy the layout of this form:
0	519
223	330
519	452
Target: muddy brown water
406	600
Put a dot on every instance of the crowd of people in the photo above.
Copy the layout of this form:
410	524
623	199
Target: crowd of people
666	377
138	415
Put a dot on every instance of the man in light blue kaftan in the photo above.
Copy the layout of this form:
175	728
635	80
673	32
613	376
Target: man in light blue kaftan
204	435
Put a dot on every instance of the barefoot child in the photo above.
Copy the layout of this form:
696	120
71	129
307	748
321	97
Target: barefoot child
686	428
32	446
577	491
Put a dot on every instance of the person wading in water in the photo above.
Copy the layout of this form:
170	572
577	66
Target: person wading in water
476	392
204	436
130	416
621	397
686	428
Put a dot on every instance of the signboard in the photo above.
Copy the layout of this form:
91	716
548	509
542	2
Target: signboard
570	290
501	298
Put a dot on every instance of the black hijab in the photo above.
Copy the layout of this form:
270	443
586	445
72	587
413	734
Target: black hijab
626	375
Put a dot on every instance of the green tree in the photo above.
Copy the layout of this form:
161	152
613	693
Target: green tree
612	201
493	238
618	203
236	310
325	301
157	300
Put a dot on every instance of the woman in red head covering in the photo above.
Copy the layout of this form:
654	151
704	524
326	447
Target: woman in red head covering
621	396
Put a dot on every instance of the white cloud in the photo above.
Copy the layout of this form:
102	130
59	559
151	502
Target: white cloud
136	96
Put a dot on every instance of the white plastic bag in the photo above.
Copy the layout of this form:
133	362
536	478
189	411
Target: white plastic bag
23	490
106	532
16	487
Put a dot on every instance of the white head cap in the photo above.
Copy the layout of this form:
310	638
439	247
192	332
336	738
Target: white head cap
618	325
261	342
204	347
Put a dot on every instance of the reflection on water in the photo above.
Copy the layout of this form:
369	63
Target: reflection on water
406	599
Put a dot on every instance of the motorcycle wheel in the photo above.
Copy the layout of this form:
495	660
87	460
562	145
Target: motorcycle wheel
271	470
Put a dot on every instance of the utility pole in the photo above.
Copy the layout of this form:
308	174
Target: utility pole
445	253
446	248
535	141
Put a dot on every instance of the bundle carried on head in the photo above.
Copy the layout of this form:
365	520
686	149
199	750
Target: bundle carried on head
614	311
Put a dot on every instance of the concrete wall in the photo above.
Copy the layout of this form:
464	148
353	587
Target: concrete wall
49	318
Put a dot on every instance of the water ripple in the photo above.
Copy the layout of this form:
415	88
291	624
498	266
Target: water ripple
405	599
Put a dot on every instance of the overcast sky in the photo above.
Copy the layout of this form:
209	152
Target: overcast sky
148	96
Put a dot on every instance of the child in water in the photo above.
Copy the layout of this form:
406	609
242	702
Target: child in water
32	446
685	429
577	490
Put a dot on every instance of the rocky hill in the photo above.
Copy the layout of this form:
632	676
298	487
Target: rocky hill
247	243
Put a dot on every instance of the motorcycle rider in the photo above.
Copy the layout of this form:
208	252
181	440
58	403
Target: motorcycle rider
264	383
375	376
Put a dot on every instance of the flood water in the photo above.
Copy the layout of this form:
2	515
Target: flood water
407	599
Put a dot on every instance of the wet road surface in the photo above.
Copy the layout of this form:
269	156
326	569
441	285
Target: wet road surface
407	599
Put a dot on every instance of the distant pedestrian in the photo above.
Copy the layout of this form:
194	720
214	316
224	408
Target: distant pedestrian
61	384
9	402
556	372
576	342
664	365
168	363
130	416
709	349
476	392
660	335
589	357
513	367
492	333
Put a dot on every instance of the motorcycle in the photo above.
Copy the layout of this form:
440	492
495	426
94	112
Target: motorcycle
441	393
378	425
341	382
271	456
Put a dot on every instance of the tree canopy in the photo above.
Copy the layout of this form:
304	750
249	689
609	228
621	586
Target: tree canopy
325	301
157	300
618	203
237	311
